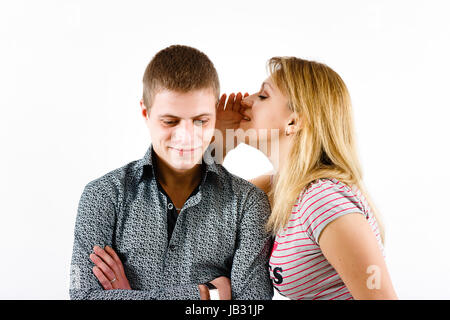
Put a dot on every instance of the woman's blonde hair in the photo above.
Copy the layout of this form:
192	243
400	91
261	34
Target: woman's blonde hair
324	146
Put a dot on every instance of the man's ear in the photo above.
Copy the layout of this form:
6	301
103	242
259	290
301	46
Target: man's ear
144	110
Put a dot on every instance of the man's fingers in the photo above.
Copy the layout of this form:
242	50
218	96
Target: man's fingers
115	257
106	284
107	271
106	258
223	284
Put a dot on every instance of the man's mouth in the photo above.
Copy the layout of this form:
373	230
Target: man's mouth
183	151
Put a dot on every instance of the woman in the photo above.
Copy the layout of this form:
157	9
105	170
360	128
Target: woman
328	236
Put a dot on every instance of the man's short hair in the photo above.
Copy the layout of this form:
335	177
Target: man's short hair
179	68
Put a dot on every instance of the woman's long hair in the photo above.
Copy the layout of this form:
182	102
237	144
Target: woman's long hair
325	145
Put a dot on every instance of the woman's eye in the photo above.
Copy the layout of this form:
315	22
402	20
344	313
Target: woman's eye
262	97
200	122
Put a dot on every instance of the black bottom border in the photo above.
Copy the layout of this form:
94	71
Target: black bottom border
274	309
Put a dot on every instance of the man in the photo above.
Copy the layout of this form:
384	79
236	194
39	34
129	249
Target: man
171	226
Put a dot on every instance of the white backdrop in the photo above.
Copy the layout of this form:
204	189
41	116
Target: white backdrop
70	84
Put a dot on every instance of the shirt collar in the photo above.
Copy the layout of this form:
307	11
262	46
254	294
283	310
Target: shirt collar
208	160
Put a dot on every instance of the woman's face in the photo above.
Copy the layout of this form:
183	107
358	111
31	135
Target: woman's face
269	110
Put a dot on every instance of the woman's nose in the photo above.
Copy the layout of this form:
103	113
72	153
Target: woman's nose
247	102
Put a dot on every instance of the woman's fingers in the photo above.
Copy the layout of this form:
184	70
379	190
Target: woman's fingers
237	102
246	103
230	102
221	104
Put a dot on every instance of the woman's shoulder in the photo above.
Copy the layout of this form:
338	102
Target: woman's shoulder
330	191
325	200
325	184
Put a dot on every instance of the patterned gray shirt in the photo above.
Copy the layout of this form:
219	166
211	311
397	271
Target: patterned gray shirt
219	232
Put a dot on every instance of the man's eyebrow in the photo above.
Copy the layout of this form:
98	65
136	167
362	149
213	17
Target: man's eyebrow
168	115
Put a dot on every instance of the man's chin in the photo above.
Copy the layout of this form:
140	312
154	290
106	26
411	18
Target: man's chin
186	162
184	165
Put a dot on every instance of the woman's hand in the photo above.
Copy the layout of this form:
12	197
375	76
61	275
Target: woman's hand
229	116
109	269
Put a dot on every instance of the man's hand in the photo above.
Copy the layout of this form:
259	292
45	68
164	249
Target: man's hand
109	269
223	285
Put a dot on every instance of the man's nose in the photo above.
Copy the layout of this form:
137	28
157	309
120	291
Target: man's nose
185	133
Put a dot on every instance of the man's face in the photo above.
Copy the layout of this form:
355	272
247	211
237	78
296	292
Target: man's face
181	126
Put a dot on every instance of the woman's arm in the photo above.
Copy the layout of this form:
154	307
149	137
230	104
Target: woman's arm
351	247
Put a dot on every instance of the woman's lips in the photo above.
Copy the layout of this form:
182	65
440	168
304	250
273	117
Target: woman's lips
246	117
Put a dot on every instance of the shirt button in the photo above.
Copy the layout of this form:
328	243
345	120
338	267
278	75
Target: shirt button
172	247
170	206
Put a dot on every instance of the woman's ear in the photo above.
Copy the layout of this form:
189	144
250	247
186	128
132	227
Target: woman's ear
293	126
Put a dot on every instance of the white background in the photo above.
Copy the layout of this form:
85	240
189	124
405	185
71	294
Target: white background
70	84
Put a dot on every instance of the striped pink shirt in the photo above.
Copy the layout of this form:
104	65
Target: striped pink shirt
298	268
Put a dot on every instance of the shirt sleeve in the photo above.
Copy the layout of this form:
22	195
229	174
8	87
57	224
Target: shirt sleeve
250	279
324	202
95	224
